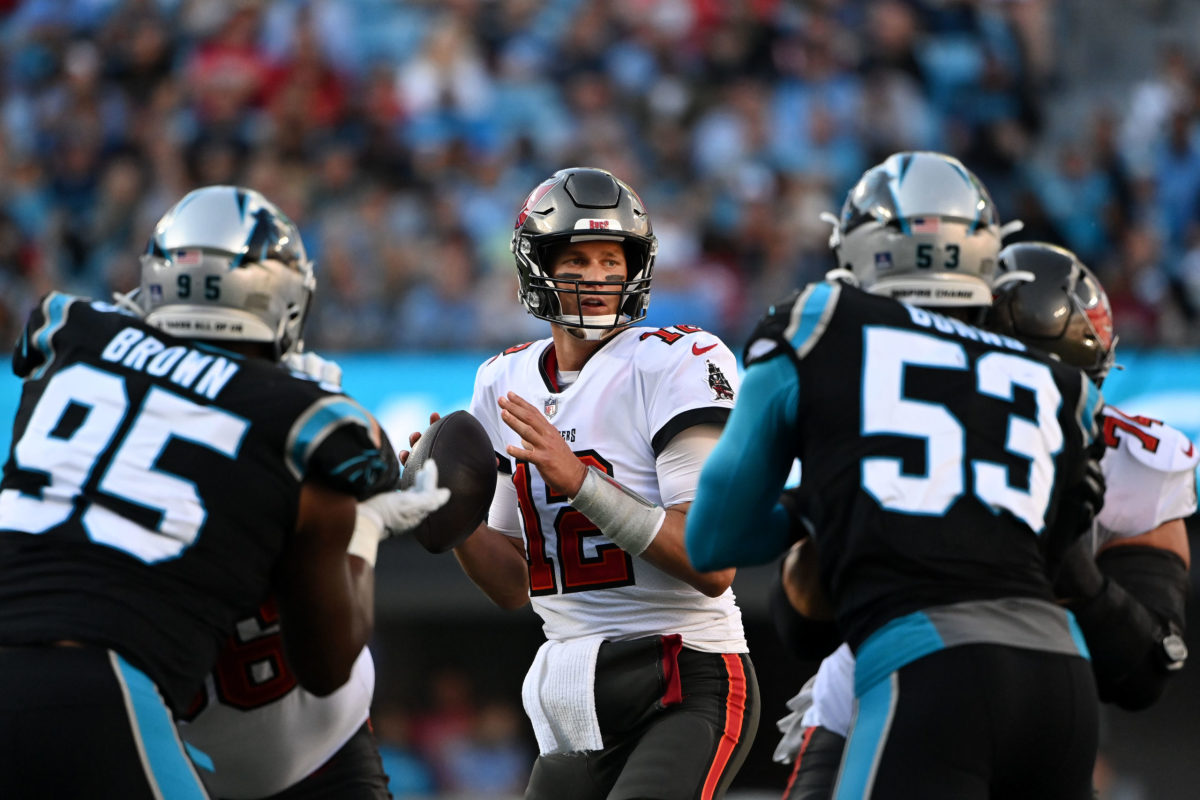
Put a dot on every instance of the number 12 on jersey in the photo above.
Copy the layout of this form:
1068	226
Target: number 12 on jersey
578	572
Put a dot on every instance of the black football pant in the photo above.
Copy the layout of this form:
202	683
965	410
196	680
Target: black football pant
676	725
355	772
81	722
975	722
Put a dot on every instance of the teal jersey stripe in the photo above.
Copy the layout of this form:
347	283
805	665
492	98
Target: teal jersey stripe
55	310
167	761
317	423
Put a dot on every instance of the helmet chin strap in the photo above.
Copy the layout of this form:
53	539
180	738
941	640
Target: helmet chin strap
611	322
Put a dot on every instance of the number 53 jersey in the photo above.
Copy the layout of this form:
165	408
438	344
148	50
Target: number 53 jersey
152	483
636	393
934	453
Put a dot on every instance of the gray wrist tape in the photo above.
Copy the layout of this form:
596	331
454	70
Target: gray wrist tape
628	519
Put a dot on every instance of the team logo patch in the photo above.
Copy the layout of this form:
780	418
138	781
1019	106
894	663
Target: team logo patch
550	407
883	261
718	382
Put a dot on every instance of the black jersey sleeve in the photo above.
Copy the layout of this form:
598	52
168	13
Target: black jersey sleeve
35	347
336	442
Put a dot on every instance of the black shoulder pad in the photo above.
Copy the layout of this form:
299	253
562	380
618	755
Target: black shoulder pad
768	340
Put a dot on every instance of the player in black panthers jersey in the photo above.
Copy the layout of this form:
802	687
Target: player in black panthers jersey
166	473
936	457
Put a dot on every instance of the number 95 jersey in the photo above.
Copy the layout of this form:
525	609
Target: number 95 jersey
151	485
639	390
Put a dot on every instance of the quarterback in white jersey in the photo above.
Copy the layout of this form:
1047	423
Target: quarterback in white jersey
644	687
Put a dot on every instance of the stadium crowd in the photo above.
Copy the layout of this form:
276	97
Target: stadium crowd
397	133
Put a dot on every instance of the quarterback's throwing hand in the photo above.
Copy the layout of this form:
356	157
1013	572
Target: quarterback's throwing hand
542	445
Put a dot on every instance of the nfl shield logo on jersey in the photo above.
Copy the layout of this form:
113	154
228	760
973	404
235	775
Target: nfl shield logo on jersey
883	261
550	407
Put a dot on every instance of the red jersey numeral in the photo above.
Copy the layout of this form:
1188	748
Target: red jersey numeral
1113	424
254	672
608	568
670	336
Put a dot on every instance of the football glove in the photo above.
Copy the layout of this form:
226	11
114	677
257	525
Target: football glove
394	513
1077	510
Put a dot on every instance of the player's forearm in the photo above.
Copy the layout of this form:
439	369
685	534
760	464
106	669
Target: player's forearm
735	519
1140	602
496	565
668	552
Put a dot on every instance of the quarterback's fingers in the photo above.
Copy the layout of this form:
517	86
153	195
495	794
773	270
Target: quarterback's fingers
518	453
522	428
523	409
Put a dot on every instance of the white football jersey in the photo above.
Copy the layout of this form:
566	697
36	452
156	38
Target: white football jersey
261	730
1149	474
1150	478
639	390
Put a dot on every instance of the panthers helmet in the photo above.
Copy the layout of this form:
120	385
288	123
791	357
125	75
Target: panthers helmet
583	204
225	263
921	228
1047	298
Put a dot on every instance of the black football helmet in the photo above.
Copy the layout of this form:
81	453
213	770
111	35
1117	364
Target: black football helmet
1047	298
583	204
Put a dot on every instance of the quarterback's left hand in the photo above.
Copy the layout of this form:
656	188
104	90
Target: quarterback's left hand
542	445
315	367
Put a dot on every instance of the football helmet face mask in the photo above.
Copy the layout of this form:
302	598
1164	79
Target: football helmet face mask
576	205
1047	298
920	228
225	263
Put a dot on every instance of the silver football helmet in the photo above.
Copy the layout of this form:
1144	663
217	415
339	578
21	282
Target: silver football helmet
226	263
580	204
921	228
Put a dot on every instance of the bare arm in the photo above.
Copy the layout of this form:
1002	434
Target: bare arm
668	553
326	597
496	564
1170	536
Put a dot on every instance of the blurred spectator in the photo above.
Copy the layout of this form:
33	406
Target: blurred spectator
401	129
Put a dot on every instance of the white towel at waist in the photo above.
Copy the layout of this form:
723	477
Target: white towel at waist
560	698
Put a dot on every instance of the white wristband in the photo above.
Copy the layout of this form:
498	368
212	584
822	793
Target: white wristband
368	532
628	519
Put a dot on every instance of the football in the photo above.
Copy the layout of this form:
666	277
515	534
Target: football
466	466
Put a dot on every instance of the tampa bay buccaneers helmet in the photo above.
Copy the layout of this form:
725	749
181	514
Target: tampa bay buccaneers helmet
1047	298
921	228
226	263
583	204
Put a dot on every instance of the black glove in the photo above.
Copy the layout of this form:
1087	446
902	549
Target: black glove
1077	510
793	502
1078	578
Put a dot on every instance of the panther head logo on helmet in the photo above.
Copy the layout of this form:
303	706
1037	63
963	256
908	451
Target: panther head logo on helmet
225	263
921	228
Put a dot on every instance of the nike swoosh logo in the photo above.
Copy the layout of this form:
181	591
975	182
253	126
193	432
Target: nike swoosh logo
1191	448
699	351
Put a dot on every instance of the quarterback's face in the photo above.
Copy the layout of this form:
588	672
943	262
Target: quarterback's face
592	264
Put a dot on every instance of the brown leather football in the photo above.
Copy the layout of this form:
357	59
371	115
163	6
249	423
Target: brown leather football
466	466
